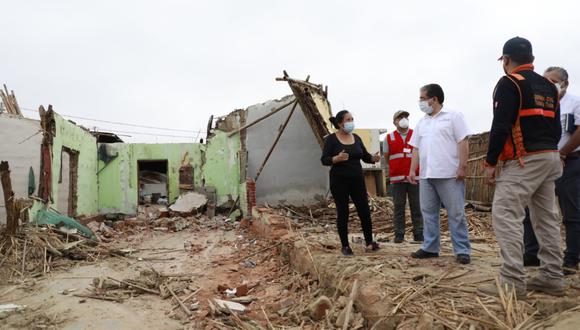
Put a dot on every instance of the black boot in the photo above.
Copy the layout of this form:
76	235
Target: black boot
374	246
570	269
422	254
347	251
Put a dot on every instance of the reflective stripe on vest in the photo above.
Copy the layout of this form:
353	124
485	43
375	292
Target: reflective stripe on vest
398	178
400	155
537	112
396	156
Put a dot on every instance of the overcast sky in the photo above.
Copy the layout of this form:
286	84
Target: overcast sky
174	63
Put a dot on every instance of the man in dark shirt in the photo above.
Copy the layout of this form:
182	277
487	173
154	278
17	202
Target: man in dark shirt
524	135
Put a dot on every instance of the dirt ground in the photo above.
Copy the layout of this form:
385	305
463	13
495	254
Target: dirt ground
287	270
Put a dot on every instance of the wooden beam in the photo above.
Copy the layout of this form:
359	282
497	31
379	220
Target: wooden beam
260	119
11	215
280	131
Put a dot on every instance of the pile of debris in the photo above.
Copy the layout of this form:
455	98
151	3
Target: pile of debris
382	211
148	282
35	251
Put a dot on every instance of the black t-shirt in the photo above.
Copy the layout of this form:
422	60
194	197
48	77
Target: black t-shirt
356	153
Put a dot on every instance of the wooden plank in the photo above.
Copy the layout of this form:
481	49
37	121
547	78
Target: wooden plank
11	215
261	118
280	131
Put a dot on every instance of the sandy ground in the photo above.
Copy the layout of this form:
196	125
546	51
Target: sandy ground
283	281
44	297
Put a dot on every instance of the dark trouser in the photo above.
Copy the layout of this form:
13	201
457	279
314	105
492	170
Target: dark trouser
568	192
531	246
400	192
342	188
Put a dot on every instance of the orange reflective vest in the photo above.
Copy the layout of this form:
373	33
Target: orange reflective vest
536	128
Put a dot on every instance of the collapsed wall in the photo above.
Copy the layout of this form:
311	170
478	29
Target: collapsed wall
19	147
293	174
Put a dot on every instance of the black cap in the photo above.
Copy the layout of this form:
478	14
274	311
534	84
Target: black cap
517	46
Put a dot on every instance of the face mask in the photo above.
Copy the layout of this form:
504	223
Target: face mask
348	127
559	88
425	107
404	123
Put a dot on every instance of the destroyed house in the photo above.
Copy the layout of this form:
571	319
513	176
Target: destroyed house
268	153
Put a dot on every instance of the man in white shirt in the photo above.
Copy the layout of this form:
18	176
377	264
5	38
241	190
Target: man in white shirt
568	186
441	150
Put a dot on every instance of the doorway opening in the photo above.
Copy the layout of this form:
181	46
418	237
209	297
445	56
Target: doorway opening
152	181
67	182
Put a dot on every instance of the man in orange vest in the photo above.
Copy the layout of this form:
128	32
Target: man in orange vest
399	153
524	134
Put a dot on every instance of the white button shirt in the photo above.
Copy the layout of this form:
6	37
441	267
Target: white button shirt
569	104
437	139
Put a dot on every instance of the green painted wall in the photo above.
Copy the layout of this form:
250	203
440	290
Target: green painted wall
73	137
222	166
118	180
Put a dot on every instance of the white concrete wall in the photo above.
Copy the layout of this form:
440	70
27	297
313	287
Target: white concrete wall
21	148
294	173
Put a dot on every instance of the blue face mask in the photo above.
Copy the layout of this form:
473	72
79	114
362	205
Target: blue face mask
348	127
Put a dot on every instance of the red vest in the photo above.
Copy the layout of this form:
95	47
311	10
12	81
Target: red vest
400	155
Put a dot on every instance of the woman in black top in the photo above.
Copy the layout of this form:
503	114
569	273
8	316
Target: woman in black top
343	151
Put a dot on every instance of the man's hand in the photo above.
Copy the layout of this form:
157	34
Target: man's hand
490	175
412	179
461	173
341	157
376	157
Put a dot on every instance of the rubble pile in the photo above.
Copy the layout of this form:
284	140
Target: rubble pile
268	293
324	213
148	282
35	251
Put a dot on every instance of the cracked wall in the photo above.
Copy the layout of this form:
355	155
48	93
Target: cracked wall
69	136
293	174
19	146
118	179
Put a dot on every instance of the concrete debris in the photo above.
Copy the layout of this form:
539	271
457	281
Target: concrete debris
249	263
229	305
319	307
189	202
244	300
6	308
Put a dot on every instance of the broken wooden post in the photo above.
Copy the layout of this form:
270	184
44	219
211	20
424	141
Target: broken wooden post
261	118
11	215
280	131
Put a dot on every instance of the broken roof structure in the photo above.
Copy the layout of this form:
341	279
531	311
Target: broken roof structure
82	173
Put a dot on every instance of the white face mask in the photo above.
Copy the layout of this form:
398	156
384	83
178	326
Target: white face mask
559	88
425	107
348	127
404	123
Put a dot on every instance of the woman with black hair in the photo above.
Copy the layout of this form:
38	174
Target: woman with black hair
343	152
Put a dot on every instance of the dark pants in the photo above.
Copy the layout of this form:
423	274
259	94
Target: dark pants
568	192
400	192
342	188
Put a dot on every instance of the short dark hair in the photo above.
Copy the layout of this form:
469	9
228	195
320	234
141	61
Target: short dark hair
337	120
561	72
521	58
434	90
